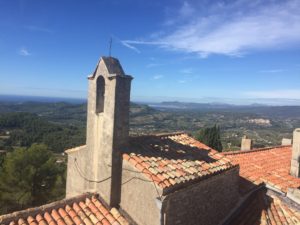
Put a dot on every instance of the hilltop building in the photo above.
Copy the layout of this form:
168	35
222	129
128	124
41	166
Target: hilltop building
165	179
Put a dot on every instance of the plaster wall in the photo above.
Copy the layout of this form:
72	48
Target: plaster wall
139	197
207	202
76	184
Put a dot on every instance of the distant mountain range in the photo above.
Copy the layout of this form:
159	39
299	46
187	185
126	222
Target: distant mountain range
213	105
189	105
224	101
20	99
202	103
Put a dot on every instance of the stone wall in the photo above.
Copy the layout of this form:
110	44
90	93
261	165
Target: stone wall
76	184
205	203
138	197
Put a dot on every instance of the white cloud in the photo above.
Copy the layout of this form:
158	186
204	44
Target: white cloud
157	77
232	28
286	94
182	81
24	52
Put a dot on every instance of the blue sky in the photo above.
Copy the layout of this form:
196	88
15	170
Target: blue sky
233	51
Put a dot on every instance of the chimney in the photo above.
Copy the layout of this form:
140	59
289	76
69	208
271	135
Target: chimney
295	153
286	141
246	144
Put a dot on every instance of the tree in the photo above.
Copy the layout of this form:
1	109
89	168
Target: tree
28	178
211	137
26	129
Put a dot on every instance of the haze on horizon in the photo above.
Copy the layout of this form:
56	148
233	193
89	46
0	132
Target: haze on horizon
194	51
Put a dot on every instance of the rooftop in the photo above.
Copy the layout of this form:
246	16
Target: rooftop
265	208
86	209
268	165
173	159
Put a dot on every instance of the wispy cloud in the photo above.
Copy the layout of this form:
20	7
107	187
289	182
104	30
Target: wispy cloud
187	71
186	10
181	81
272	71
141	42
233	28
38	29
157	77
24	52
286	94
128	45
125	44
151	65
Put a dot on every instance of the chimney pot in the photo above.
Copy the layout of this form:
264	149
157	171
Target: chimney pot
246	144
286	141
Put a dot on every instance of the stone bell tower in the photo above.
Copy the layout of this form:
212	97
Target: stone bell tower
107	128
295	161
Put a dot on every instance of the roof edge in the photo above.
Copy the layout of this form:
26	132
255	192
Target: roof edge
181	186
75	149
34	210
167	134
255	150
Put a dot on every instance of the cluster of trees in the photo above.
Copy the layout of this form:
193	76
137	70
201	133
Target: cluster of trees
27	128
211	137
30	177
30	173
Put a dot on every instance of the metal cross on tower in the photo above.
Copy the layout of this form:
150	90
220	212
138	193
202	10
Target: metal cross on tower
110	44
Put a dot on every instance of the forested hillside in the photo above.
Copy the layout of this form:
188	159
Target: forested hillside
19	129
34	135
62	125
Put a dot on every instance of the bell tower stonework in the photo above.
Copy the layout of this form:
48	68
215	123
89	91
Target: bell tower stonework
99	163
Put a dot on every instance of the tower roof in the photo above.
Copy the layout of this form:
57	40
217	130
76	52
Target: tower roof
113	65
110	65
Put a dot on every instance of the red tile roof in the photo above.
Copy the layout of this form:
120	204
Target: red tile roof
85	209
262	208
172	159
268	165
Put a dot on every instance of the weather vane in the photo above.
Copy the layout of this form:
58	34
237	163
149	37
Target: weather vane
110	44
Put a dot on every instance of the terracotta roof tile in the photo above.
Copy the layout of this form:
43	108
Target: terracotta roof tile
31	221
73	215
268	165
263	208
82	210
40	220
171	159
